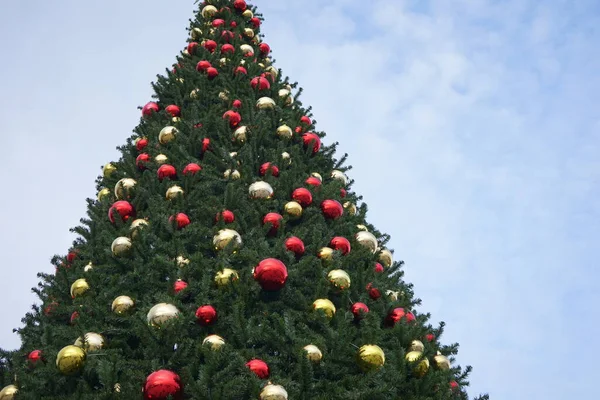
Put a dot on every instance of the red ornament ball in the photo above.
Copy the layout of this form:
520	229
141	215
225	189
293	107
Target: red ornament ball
192	169
332	209
191	48
275	220
173	110
123	208
430	337
237	104
210	45
255	22
453	386
217	22
227	49
74	317
359	310
261	83
162	384
268	167
206	315
313	181
234	118
212	73
259	367
142	160
264	49
305	120
311	139
181	220
271	274
166	171
226	215
374	293
410	317
343	193
233	24
35	356
302	196
378	268
205	145
141	144
149	109
202	66
395	316
71	256
179	285
240	70
295	245
298	129
240	5
341	244
228	36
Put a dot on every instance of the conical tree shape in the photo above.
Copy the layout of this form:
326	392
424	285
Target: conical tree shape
225	257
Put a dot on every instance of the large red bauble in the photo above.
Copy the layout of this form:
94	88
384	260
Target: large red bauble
295	245
206	315
212	73
271	274
313	181
264	48
378	268
311	139
191	48
141	144
332	209
302	196
261	83
217	22
374	293
166	171
234	118
141	161
210	45
255	22
179	285
123	208
181	220
191	169
227	49
395	316
305	120
259	367
430	337
410	317
173	110
240	5
203	65
275	220
162	384
35	356
228	36
240	70
149	109
359	310
269	167
226	215
340	243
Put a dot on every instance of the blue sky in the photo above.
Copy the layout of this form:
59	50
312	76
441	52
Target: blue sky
472	127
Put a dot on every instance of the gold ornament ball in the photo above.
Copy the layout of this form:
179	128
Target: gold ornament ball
285	156
325	254
274	72
386	258
286	96
121	246
293	209
79	287
350	208
361	227
265	103
215	342
161	159
249	32
8	392
260	190
161	313
92	342
393	296
108	170
182	261
104	193
422	366
326	306
209	11
339	279
285	132
88	267
224	95
241	134
247	50
136	226
370	357
235	174
226	277
176	120
313	353
339	176
196	33
167	134
124	188
368	240
194	94
122	305
225	236
70	359
416	345
273	392
248	14
441	362
173	192
223	61
317	175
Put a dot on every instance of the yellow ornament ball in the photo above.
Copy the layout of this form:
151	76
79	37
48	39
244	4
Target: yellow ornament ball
422	366
215	342
249	32
88	267
79	287
339	279
326	306
173	192
122	305
386	258
248	14
339	176
441	362
273	392
285	132
325	254
371	357
136	226
260	190
293	209
361	227
121	246
241	134
161	313
247	50
8	392
226	277
265	103
161	159
91	342
317	175
195	94
70	359
167	134
313	353
209	11
350	208
225	236
196	33
232	174
103	194
416	345
108	170
124	188
368	240
182	261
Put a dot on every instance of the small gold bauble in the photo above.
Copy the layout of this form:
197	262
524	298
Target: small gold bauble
185	52
224	95
265	103
247	50
260	190
70	359
196	33
441	361
161	159
273	392
122	304
117	388
247	14
173	192
194	94
108	170
124	188
161	313
93	342
325	254
121	246
209	11
8	392
104	193
350	208
339	176
393	296
176	120
313	353
167	134
215	342
284	94
317	175
339	279
88	267
371	357
416	345
293	209
326	306
235	174
422	366
368	240
136	226
223	61
249	32
285	132
386	258
361	227
226	277
79	287
225	236
286	157
240	134
274	72
182	261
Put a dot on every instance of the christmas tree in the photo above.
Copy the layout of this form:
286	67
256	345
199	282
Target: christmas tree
226	256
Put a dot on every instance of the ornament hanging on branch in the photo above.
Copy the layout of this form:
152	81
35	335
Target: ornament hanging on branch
332	209
259	367
271	274
163	385
370	357
70	359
